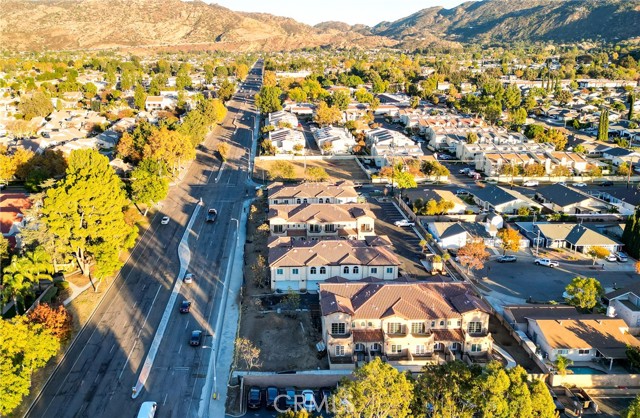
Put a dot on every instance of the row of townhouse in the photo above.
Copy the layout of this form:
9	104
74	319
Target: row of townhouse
386	143
334	140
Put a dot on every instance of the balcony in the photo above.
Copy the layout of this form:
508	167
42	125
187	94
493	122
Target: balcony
422	334
339	337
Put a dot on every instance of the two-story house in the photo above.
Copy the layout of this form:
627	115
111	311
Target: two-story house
407	324
299	265
329	193
625	304
313	221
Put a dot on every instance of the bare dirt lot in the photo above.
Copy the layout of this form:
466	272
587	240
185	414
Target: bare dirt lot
286	333
336	169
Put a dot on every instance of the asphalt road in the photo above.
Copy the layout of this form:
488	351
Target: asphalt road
97	375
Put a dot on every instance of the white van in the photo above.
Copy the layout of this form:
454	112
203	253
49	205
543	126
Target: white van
147	410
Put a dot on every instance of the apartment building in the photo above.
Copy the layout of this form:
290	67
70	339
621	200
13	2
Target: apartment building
339	193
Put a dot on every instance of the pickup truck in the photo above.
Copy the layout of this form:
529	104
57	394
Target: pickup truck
545	262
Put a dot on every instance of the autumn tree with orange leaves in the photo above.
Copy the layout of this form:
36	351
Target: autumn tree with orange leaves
57	320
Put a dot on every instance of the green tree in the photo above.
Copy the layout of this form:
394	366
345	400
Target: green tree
518	394
281	170
226	90
327	115
632	102
85	212
139	97
149	184
341	99
633	411
603	126
631	234
297	95
534	131
562	364
564	97
542	405
512	97
24	348
491	391
472	137
584	292
518	117
37	104
377	391
316	174
268	100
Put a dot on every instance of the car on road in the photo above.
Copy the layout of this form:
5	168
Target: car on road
254	400
611	258
404	222
545	262
507	259
530	183
622	257
212	214
196	338
272	397
165	220
606	183
147	409
579	184
185	306
464	170
308	400
188	278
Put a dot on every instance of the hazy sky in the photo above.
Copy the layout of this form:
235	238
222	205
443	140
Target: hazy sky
369	12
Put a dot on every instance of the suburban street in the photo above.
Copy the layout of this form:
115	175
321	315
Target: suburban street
97	375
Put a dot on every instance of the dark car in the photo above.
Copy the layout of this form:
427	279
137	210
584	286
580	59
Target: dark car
506	259
272	397
212	215
185	306
606	183
196	338
254	401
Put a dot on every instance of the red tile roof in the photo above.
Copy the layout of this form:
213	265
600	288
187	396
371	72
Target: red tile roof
12	206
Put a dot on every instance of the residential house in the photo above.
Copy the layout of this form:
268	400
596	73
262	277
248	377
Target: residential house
576	237
459	206
321	221
303	265
12	215
563	199
502	200
625	304
341	192
625	200
155	103
385	143
517	315
454	235
335	140
618	156
282	119
407	324
287	141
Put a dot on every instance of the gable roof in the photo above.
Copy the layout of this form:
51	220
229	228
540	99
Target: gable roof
319	212
343	189
617	152
520	313
418	301
562	195
581	235
496	195
330	253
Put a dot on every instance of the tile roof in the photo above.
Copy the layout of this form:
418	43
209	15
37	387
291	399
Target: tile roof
610	336
319	212
12	206
448	335
331	253
368	300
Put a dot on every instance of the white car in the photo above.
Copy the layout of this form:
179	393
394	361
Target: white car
464	170
165	220
546	262
530	183
188	278
404	222
611	258
309	401
579	184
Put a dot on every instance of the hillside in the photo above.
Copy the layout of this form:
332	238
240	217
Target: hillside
99	24
531	20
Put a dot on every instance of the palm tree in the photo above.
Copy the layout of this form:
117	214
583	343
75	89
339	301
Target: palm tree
562	364
37	265
16	285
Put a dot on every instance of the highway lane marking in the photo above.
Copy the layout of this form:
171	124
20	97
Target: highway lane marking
139	332
179	348
186	325
165	399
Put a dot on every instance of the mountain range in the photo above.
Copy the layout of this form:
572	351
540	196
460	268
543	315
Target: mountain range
174	24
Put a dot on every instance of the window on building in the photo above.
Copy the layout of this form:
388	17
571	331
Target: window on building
330	228
442	323
304	200
366	228
279	272
396	348
338	328
374	270
321	200
278	229
339	350
345	270
394	328
417	328
375	347
476	348
356	270
474	327
583	352
298	201
389	270
359	347
563	352
420	349
315	228
433	324
294	271
459	322
323	270
275	201
313	270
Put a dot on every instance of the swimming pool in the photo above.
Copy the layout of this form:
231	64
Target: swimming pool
584	370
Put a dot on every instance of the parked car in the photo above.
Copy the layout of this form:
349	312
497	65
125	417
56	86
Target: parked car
165	220
606	183
254	400
212	214
622	257
611	258
530	183
308	400
507	259
464	170
291	397
196	338
404	222
272	397
579	184
188	278
546	262
185	306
